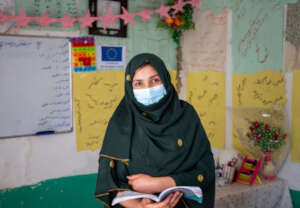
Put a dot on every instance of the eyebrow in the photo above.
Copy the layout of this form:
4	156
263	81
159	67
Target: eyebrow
153	76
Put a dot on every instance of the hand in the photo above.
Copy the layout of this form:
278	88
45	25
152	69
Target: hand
148	184
143	183
169	202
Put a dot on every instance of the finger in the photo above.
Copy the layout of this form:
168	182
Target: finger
175	196
175	200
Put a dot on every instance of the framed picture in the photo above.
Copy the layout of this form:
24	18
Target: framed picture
98	8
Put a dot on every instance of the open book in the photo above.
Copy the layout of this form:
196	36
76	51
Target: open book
190	192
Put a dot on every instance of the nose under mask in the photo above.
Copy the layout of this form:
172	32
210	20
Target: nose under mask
151	95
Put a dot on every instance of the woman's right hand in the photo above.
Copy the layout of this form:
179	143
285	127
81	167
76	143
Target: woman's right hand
169	202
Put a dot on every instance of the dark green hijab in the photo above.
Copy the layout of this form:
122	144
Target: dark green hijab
154	118
162	139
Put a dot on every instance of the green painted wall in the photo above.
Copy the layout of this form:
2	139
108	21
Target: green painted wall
67	192
296	198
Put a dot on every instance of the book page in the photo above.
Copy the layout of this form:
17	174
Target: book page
128	195
195	190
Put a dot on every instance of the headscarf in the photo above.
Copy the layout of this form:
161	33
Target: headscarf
162	139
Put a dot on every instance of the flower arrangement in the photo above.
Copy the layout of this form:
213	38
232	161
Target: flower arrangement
176	23
264	136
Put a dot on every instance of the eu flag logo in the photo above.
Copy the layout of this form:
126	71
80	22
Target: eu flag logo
111	53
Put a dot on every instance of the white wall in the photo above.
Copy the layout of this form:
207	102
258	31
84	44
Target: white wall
28	160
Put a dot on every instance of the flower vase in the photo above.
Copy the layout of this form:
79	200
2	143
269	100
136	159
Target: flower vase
269	169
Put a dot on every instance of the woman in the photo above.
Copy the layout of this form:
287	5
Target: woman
154	141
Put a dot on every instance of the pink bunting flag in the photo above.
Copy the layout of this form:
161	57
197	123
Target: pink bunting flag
163	11
127	17
145	14
87	20
67	21
45	20
108	19
179	6
22	20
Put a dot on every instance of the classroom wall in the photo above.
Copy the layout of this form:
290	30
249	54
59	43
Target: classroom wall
47	171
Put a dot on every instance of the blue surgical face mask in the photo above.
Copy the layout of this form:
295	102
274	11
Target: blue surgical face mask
151	95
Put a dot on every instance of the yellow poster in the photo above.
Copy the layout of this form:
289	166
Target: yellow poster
206	92
260	90
96	96
295	153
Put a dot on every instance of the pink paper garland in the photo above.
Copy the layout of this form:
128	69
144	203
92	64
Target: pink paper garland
22	20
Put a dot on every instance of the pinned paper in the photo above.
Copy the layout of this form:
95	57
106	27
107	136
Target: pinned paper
206	92
83	54
260	90
295	153
205	47
96	96
111	57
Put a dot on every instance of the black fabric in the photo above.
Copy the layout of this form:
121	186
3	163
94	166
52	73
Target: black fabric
162	139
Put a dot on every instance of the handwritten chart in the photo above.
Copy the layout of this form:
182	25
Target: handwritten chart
260	90
295	155
205	47
36	76
206	92
254	21
96	96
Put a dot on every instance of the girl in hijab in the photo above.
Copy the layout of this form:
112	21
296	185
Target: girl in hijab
154	141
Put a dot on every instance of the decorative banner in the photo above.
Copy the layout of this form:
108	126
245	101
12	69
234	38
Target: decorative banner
111	57
260	90
22	20
295	153
205	47
96	96
83	54
206	92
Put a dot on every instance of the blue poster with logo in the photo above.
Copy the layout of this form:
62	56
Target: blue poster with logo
111	57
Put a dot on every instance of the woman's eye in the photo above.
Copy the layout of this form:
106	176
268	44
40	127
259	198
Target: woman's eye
138	84
156	80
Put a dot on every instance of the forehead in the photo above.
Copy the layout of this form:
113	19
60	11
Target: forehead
145	72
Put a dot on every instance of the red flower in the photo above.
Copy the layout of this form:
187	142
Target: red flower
256	124
267	127
251	128
275	137
277	132
248	134
284	136
256	137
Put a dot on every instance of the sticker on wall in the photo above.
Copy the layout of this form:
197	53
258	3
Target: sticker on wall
83	54
111	57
